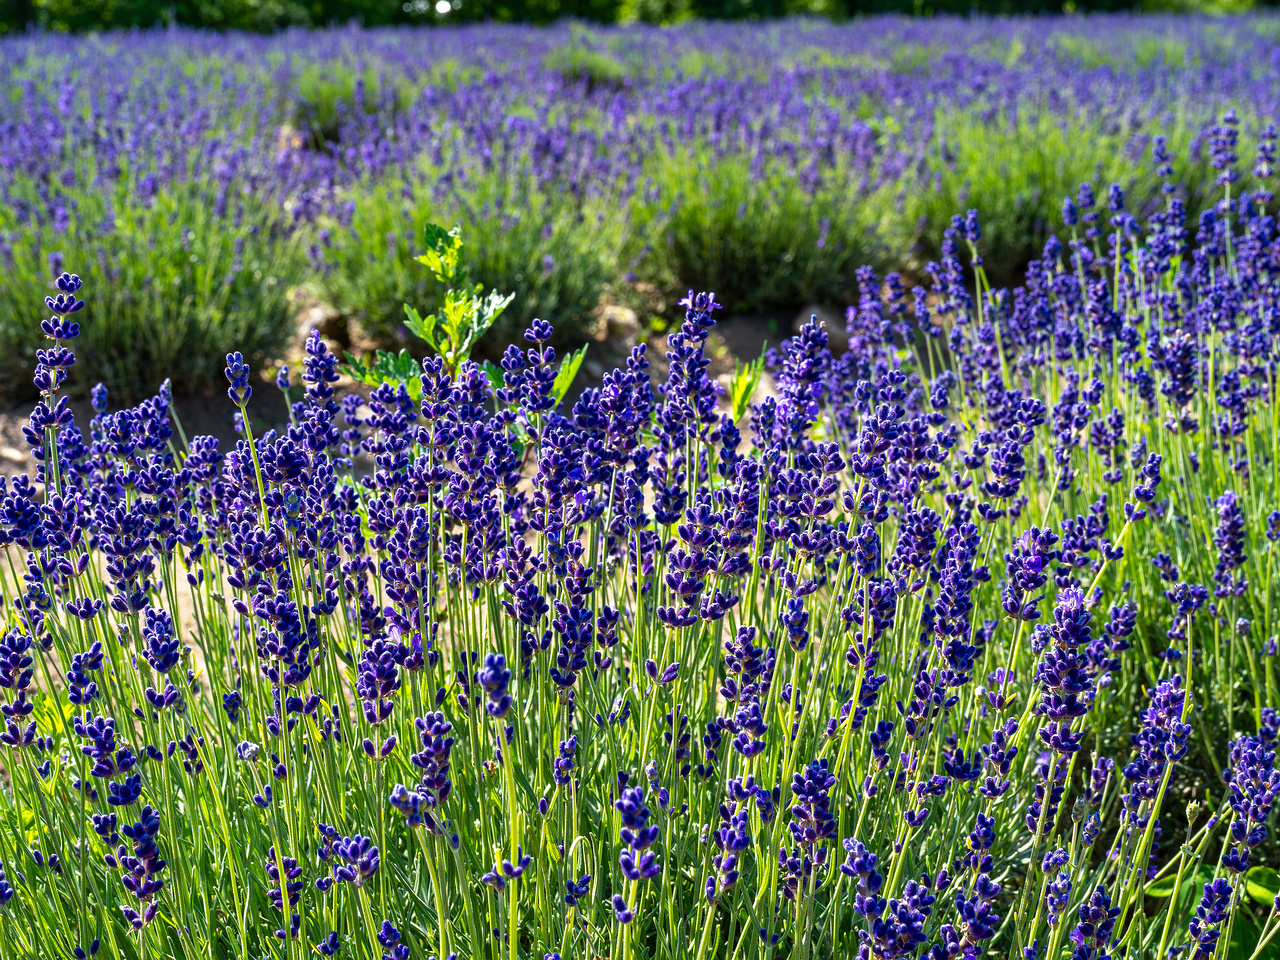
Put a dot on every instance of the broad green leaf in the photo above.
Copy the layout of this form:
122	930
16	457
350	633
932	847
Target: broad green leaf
1164	886
491	307
437	237
397	367
568	370
419	325
444	253
400	368
1191	880
465	313
1245	937
1262	883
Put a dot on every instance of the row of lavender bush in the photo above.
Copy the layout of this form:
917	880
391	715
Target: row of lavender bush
961	643
195	179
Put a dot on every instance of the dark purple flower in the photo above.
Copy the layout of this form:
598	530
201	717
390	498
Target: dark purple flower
237	372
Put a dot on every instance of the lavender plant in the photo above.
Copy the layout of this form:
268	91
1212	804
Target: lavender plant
195	180
960	643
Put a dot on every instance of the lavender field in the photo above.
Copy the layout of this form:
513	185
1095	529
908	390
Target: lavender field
946	634
199	180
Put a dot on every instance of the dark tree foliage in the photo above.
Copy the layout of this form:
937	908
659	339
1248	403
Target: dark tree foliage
843	9
270	15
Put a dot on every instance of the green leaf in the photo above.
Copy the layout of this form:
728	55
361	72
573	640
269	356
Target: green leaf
393	368
358	370
745	381
1262	883
490	308
551	848
400	367
464	312
421	326
1245	936
1191	881
494	373
1164	886
437	237
444	253
568	370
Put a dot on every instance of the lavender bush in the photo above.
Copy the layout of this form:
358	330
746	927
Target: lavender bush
764	161
958	644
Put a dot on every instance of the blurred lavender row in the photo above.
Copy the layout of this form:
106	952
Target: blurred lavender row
203	177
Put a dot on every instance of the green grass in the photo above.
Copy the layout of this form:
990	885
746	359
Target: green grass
576	61
1017	174
764	239
328	92
758	242
176	285
1170	52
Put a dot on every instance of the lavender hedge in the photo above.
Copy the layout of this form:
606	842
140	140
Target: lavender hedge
961	643
764	161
